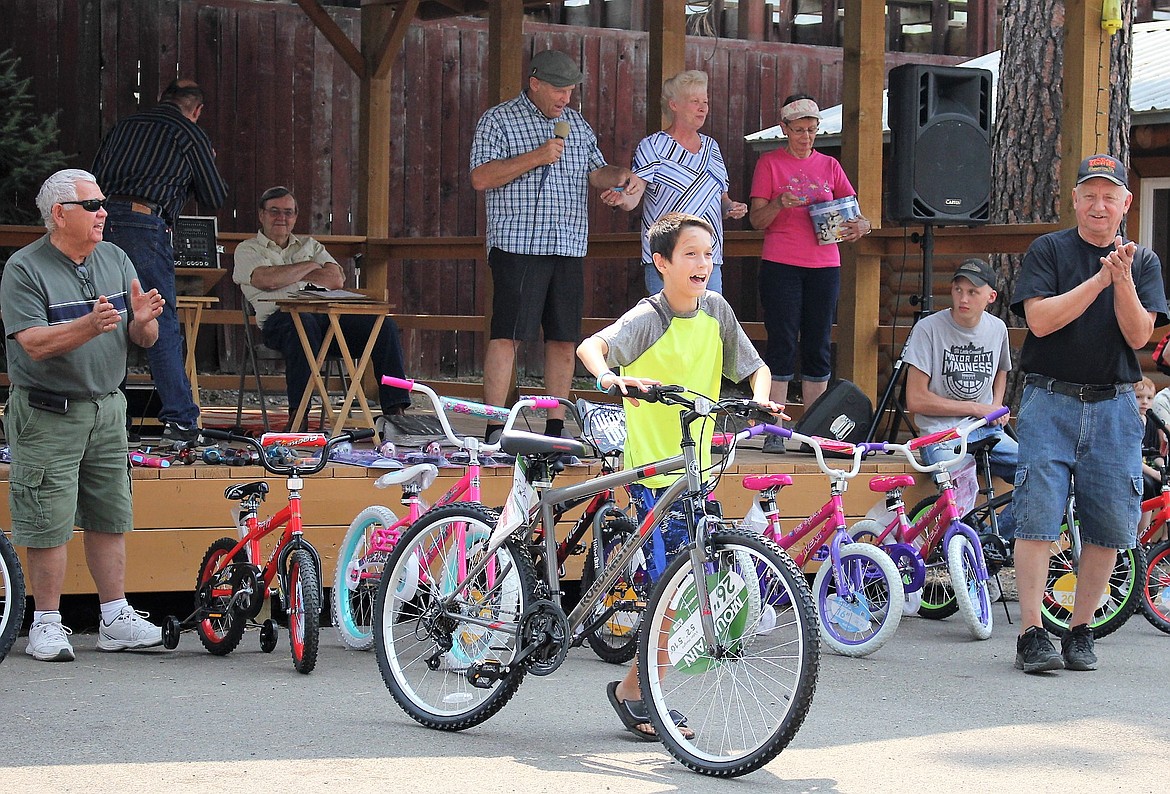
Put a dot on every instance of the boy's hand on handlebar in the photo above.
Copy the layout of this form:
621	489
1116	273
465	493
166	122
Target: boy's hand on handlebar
624	383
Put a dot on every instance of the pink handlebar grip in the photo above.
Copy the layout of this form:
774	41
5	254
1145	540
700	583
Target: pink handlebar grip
545	402
397	383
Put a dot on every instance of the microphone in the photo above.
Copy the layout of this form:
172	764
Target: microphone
561	130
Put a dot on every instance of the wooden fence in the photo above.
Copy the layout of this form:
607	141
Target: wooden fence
282	109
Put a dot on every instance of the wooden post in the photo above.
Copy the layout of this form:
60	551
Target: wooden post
668	50
861	157
374	142
505	81
1085	122
752	19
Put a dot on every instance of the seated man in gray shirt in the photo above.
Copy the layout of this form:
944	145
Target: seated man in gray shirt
959	360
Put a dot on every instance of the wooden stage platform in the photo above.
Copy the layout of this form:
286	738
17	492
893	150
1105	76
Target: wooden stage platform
179	511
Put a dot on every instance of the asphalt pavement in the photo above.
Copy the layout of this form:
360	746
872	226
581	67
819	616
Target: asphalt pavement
931	711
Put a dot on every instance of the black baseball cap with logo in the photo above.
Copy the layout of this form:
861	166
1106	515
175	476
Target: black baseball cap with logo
1104	166
977	272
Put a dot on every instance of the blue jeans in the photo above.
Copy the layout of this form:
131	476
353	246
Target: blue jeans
1094	449
799	303
654	279
1004	458
147	241
279	333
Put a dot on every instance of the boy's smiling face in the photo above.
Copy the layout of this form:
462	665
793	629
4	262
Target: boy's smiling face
686	273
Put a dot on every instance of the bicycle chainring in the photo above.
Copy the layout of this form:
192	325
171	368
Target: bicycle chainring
544	637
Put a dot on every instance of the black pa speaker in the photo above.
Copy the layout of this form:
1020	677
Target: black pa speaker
843	413
940	124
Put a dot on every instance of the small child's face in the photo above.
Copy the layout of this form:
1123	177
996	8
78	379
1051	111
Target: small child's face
690	265
1145	398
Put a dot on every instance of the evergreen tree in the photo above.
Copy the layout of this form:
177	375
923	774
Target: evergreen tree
28	146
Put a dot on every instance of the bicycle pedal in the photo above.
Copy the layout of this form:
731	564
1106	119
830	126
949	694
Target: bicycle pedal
484	675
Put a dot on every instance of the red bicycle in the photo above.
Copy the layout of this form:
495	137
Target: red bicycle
231	586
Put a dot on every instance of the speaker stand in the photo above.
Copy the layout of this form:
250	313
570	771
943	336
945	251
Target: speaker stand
893	396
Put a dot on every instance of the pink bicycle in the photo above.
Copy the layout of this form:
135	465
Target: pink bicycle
375	531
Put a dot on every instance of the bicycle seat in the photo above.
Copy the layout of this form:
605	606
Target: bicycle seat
521	442
982	445
889	482
762	482
244	490
423	475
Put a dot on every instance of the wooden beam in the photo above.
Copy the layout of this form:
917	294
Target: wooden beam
335	36
753	17
392	42
505	51
1085	123
861	156
668	54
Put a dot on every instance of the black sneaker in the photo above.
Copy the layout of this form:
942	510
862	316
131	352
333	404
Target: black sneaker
774	445
1076	648
1035	652
180	437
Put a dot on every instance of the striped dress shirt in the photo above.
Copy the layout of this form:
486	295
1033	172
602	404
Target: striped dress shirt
162	156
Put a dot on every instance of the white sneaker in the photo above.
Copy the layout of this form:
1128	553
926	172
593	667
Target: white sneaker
128	631
49	642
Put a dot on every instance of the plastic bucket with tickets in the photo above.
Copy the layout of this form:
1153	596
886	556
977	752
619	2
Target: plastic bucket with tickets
828	216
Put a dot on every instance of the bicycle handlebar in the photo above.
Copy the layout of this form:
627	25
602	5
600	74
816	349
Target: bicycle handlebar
470	408
821	445
960	431
290	440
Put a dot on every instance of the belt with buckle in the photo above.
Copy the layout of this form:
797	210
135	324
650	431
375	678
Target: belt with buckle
138	204
1085	392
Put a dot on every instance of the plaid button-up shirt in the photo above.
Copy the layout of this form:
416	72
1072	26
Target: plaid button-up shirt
544	211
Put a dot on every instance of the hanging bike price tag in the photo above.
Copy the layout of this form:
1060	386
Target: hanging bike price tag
520	501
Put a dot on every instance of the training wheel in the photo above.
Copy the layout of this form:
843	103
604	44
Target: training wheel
268	636
170	632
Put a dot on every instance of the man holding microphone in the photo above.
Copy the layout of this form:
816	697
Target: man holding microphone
535	158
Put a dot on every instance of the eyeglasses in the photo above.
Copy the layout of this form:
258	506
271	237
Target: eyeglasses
804	130
89	205
87	288
276	212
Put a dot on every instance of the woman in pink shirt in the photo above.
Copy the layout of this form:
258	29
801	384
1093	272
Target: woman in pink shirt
799	279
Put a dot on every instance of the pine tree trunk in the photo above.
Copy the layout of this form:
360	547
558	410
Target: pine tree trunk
1025	158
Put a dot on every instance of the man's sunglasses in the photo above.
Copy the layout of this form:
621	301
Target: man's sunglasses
89	205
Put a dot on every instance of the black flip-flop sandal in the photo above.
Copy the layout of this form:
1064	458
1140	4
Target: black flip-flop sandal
632	713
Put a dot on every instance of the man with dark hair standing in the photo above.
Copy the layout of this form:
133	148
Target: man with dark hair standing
149	165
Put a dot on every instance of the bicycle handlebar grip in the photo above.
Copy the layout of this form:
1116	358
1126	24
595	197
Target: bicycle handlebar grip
361	434
775	430
545	402
211	432
996	414
397	383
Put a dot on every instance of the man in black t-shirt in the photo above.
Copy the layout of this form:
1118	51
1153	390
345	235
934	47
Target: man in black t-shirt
1090	300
